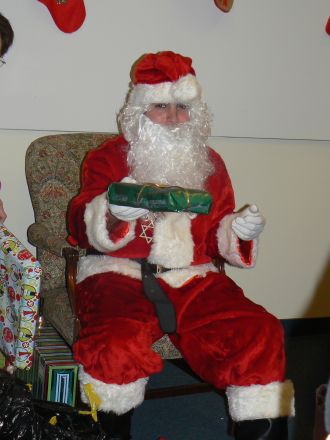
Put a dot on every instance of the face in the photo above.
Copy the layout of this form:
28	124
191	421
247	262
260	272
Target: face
168	114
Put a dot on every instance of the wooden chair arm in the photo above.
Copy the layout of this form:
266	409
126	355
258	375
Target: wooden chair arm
219	264
71	256
40	237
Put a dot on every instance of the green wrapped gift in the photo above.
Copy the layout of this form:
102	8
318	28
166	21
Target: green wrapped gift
159	198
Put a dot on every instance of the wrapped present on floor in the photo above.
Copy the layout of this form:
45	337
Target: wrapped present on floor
19	293
159	198
55	373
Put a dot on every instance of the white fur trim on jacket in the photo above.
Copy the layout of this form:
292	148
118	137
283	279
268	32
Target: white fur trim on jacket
116	398
183	90
177	277
253	402
228	244
96	264
173	244
96	229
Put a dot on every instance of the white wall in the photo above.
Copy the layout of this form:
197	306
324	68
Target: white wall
265	70
290	182
264	67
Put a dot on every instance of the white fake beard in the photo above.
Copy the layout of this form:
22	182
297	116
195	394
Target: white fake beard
169	155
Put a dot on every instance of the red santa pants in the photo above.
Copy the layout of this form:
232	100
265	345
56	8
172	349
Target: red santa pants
225	337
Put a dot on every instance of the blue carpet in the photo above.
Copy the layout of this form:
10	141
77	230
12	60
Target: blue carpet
204	416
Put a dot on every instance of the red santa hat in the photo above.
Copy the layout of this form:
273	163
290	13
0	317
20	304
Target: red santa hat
163	77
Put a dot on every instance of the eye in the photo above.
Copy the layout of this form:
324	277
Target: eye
182	107
161	105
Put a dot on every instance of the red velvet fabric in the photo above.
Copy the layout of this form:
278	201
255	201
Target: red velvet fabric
155	68
225	338
108	163
68	15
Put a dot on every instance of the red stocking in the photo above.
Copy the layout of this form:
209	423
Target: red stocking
327	27
224	5
68	15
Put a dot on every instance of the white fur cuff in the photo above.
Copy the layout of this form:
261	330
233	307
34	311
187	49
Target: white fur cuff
228	244
96	228
273	400
116	398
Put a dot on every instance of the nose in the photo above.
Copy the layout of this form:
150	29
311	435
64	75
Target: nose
172	114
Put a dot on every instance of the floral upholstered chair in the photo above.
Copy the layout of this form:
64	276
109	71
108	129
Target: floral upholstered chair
53	175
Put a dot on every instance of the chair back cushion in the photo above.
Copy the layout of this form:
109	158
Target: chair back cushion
53	166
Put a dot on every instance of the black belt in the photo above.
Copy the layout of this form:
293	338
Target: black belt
94	252
164	308
155	268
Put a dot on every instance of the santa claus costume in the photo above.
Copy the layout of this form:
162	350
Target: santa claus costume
227	339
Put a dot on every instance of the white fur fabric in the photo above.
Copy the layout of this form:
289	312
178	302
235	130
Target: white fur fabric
228	244
253	402
177	277
183	90
96	229
173	244
96	264
116	398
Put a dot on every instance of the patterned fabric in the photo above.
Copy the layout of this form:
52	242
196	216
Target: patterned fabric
19	299
53	176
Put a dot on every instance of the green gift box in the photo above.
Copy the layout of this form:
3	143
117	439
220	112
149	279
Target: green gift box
159	198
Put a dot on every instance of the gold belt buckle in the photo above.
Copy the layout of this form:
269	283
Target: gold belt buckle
159	268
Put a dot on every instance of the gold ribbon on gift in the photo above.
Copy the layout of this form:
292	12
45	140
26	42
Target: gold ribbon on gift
158	185
157	197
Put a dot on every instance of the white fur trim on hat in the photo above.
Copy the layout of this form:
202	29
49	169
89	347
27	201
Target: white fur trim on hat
185	89
229	244
273	400
116	398
96	228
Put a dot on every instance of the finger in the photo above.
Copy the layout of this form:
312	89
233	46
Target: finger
252	227
239	229
239	220
138	214
259	220
253	208
243	236
128	179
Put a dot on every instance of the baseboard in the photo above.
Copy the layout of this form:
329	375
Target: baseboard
306	326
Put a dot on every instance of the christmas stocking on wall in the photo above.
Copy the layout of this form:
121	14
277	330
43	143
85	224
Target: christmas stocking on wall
224	5
68	15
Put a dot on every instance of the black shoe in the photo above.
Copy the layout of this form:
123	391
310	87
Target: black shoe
262	429
116	427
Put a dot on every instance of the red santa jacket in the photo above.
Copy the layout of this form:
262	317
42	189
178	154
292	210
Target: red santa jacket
178	239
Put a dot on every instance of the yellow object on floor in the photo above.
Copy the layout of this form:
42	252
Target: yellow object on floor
94	401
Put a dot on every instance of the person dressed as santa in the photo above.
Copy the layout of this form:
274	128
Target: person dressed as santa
226	339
